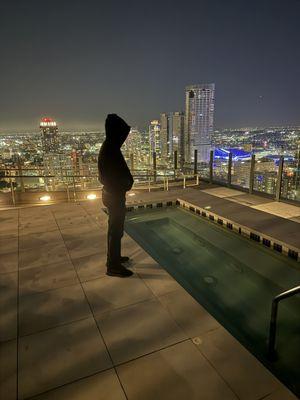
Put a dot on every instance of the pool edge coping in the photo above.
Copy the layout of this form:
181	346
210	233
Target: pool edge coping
265	240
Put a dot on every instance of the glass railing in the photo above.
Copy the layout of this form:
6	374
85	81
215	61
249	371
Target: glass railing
204	170
265	175
220	170
290	184
240	173
259	175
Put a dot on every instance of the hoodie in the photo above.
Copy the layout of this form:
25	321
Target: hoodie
114	173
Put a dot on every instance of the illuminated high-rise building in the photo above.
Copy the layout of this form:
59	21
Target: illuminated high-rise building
172	129
154	138
133	146
164	134
49	131
178	133
199	120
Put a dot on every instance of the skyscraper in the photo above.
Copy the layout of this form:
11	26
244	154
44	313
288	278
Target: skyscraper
171	133
154	138
164	134
133	146
199	119
178	133
49	131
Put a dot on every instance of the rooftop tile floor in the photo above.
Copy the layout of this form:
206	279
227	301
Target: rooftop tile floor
68	331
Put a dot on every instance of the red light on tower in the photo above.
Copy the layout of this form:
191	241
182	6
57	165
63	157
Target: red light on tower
47	122
49	131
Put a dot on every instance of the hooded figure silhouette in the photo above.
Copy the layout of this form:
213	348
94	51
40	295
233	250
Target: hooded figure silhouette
116	178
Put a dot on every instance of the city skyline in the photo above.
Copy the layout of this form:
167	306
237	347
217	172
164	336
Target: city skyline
83	61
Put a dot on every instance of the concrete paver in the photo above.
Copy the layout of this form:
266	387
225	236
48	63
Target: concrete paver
9	261
48	254
138	329
246	376
177	372
8	306
8	370
106	294
281	209
102	386
51	308
60	355
91	266
222	192
38	279
157	279
193	319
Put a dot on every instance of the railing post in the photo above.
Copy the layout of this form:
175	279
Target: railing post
273	321
195	161
154	166
12	190
175	163
211	163
74	189
279	179
68	191
184	186
167	184
251	177
20	172
175	159
272	334
229	169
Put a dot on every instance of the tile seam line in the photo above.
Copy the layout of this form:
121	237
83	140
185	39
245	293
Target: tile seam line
91	310
168	292
106	369
48	290
120	364
99	316
217	372
267	395
54	327
67	383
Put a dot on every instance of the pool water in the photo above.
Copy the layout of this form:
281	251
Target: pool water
234	278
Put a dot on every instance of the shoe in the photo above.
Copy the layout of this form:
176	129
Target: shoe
119	270
124	259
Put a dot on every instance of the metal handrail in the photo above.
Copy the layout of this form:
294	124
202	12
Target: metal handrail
273	322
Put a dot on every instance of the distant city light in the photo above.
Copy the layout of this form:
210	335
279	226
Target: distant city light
45	198
91	196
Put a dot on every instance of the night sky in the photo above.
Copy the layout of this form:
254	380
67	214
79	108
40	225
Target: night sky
76	60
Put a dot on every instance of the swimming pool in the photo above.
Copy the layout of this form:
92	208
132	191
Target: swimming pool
234	278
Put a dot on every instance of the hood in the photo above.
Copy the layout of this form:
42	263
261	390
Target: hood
116	129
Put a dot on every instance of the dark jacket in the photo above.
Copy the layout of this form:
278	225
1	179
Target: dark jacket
114	173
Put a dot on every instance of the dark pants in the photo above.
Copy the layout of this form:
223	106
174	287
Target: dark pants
116	208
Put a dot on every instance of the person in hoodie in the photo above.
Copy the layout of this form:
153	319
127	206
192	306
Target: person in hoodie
116	178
